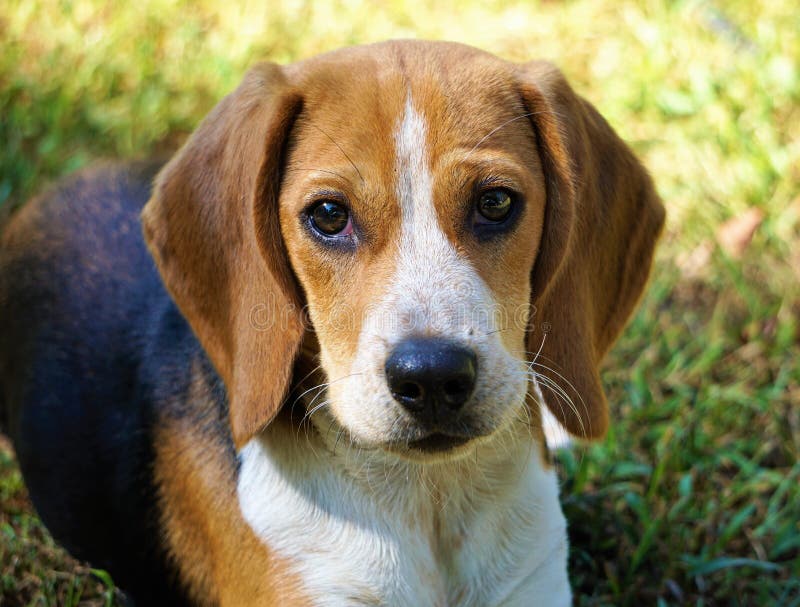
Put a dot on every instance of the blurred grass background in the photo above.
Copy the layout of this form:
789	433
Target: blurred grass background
694	497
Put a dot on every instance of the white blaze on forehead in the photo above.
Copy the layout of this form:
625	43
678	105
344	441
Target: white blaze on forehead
431	279
415	184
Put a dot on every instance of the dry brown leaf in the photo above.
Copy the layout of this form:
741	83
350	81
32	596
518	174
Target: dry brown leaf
735	235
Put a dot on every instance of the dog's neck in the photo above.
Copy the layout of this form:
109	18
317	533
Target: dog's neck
485	529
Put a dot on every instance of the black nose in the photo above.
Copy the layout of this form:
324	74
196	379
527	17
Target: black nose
432	378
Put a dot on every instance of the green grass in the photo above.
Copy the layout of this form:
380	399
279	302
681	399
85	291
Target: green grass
694	497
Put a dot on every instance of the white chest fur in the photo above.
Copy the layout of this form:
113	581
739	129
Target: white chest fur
364	530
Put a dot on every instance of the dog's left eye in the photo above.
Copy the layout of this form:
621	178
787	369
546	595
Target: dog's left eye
494	205
330	218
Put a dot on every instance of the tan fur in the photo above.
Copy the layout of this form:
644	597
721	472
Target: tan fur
219	558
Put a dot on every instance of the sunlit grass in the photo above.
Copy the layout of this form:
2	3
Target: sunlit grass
694	498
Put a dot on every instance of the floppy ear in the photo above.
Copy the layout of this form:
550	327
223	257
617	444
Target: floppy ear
602	220
212	228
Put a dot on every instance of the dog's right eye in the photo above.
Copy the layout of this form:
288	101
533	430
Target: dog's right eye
330	218
495	205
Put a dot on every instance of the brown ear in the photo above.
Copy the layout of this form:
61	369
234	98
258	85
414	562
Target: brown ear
212	227
602	221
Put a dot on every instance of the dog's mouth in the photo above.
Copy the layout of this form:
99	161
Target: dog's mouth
433	446
438	442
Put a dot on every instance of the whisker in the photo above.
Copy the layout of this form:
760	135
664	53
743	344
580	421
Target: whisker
526	412
350	160
555	372
554	387
309	374
328	431
560	376
310	409
321	387
297	386
311	412
316	387
320	390
562	397
497	331
494	130
539	351
338	436
564	379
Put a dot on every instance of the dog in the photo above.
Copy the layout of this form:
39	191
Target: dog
305	361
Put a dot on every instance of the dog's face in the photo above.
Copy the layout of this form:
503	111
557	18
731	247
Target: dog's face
420	201
413	230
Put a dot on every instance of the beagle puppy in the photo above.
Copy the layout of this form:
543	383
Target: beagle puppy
303	362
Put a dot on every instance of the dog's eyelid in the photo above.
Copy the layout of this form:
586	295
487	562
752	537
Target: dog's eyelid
497	181
317	196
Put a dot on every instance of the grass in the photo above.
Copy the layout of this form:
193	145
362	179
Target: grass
694	497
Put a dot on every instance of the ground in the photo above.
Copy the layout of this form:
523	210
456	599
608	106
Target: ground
694	496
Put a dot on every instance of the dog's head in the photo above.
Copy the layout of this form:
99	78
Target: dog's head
440	225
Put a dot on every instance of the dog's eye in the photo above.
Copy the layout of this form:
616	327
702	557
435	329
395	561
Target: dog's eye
330	218
494	205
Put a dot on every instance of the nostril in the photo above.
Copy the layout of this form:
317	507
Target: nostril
456	392
409	391
452	386
455	388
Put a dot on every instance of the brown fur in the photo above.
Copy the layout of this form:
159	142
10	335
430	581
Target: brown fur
228	204
464	95
602	220
213	214
216	212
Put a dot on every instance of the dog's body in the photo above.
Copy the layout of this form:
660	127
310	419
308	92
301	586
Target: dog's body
90	330
154	437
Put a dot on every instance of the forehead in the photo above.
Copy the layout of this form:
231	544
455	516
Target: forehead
356	99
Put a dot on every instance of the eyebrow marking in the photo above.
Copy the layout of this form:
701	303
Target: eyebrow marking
340	176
